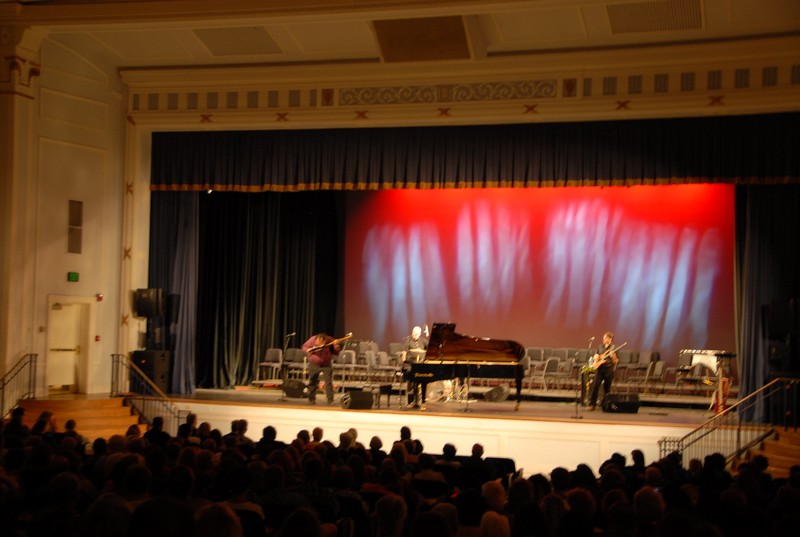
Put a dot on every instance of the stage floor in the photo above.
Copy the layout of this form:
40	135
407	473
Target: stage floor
553	404
548	430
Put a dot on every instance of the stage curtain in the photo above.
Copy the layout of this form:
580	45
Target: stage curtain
768	232
174	240
738	149
268	265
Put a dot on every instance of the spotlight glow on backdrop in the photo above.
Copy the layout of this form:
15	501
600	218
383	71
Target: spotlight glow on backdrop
547	266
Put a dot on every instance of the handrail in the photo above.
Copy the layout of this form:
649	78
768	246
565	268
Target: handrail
744	424
143	394
19	383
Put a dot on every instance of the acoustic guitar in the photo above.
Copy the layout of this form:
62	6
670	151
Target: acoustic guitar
599	360
330	343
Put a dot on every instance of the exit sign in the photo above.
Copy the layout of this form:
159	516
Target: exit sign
73	276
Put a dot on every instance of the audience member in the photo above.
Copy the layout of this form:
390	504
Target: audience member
159	485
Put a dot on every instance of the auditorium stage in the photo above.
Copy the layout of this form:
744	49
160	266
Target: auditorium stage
547	431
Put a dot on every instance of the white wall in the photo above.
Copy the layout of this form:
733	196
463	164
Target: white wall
76	153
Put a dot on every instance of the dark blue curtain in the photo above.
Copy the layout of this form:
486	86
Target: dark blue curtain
174	237
768	265
243	270
742	149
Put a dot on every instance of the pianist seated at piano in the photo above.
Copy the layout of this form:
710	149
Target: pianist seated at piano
414	345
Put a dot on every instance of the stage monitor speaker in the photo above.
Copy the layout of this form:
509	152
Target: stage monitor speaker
157	365
498	393
356	400
148	302
294	388
623	403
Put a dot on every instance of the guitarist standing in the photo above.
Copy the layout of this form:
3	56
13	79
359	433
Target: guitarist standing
321	349
604	361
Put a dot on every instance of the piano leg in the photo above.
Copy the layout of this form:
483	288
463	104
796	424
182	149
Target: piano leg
519	389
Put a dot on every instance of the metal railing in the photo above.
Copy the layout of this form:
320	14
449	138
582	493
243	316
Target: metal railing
130	382
741	426
19	383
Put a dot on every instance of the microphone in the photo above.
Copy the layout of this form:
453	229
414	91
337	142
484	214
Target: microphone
292	334
591	339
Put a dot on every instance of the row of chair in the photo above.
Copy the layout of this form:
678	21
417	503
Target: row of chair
545	368
637	370
366	363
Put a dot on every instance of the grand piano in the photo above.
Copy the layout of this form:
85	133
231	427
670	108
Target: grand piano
451	355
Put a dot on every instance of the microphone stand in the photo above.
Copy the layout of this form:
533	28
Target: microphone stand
284	369
581	385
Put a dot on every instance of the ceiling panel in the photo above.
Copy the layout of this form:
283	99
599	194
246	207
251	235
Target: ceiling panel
340	36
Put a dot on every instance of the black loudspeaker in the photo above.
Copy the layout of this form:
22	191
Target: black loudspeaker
294	388
623	403
149	302
157	365
357	400
498	393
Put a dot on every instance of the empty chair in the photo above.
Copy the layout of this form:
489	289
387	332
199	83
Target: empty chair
344	365
683	366
566	375
296	362
628	361
550	372
395	351
272	363
642	361
699	378
379	369
652	380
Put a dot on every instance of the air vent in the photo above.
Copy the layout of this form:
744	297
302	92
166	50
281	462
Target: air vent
664	16
75	227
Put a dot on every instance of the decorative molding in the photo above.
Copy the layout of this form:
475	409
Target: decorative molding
448	93
17	76
650	92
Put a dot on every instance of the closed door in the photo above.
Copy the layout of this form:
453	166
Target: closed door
64	349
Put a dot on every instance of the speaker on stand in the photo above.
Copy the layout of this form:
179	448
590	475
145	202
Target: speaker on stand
156	365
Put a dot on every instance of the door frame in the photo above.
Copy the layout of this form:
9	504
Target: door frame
86	359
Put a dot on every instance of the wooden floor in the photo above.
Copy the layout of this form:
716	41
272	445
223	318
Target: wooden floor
554	404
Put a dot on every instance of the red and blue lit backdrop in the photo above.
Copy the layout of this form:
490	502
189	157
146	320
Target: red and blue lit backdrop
547	266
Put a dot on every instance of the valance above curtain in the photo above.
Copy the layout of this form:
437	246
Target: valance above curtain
730	149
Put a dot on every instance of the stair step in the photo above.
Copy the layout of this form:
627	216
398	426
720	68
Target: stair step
788	437
781	449
779	465
94	418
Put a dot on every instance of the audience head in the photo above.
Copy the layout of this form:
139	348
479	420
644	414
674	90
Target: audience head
217	520
494	525
430	524
390	515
